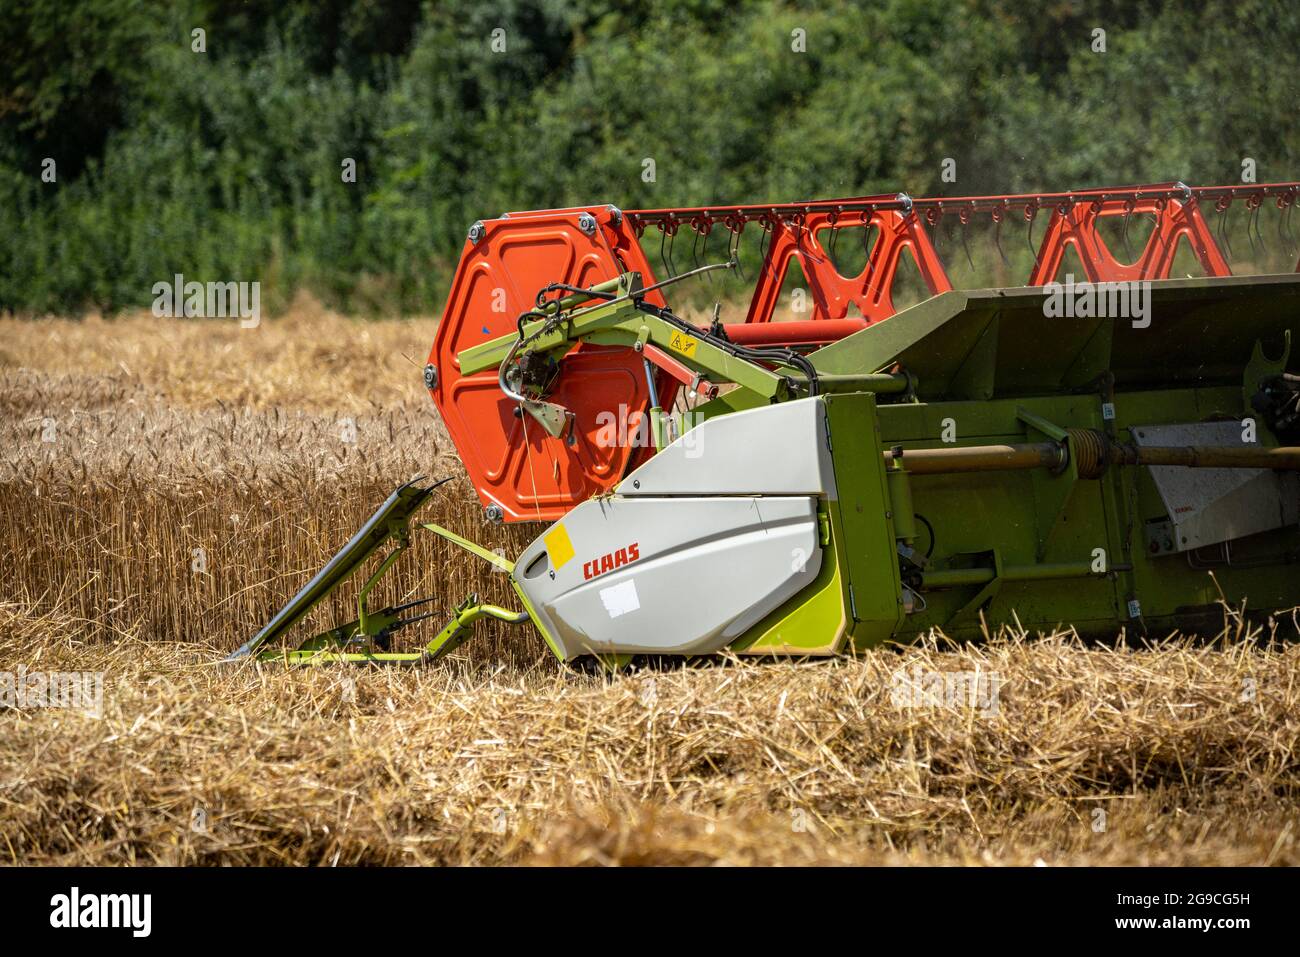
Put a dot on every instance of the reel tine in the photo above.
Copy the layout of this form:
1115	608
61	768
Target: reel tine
708	229
997	237
1222	228
1284	224
868	267
733	250
1128	215
672	266
663	236
965	247
1283	209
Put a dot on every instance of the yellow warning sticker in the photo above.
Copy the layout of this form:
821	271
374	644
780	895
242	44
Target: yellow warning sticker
558	546
681	342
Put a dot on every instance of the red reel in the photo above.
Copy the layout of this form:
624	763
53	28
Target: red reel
512	461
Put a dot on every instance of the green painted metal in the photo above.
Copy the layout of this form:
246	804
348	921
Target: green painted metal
983	343
1003	538
366	625
904	551
365	640
862	519
903	513
388	522
318	651
814	622
1043	547
612	664
978	575
500	561
619	322
537	621
460	627
382	624
350	644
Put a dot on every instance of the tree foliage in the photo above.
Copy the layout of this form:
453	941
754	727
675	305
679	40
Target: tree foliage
226	164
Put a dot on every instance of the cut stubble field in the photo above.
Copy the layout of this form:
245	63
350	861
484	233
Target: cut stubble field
166	484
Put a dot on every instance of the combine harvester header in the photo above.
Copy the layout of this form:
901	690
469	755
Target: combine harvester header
822	485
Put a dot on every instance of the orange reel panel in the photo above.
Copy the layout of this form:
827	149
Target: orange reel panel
513	462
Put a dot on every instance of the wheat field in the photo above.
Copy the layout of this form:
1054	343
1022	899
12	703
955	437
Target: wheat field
166	484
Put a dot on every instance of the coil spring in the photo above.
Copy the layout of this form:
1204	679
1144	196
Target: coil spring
1091	451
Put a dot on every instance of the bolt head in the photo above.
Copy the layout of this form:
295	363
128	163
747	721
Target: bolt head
587	223
430	376
494	513
477	232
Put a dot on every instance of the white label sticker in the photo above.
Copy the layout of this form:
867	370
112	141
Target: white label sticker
620	599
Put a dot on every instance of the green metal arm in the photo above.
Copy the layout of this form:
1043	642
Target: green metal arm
326	648
365	640
500	561
366	626
619	322
461	625
388	521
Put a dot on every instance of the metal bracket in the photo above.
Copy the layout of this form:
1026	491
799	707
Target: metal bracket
1053	490
365	627
552	417
1261	368
500	561
389	520
983	596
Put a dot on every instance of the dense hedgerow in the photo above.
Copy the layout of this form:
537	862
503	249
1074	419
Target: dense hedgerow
227	164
